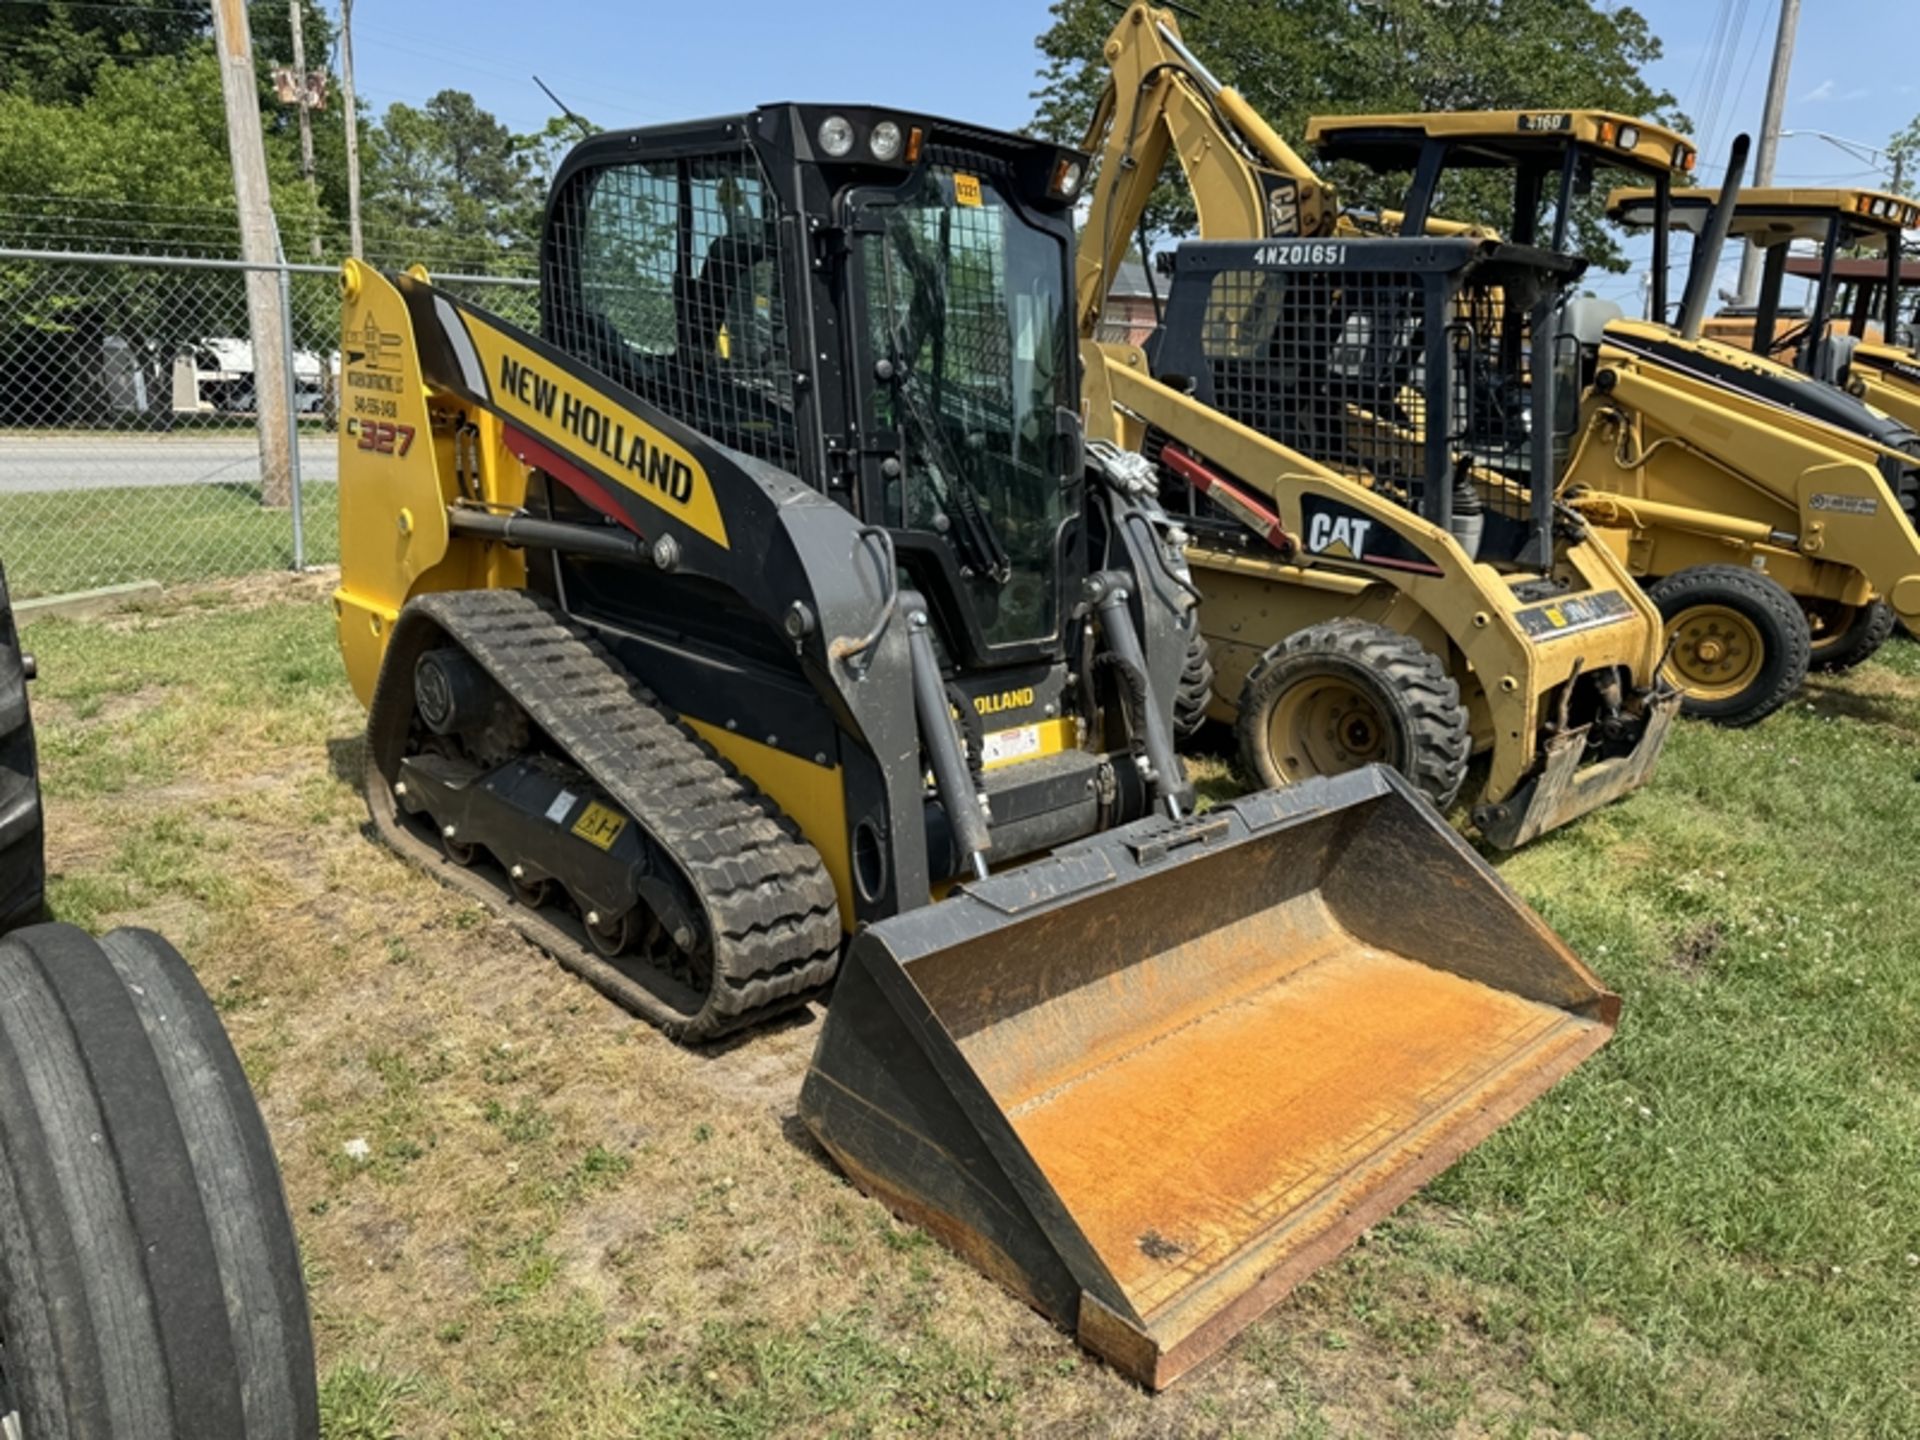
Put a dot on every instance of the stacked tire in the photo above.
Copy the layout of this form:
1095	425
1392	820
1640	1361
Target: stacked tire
149	1281
150	1285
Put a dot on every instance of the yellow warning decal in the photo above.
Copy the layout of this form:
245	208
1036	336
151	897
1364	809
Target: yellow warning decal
966	189
558	409
599	826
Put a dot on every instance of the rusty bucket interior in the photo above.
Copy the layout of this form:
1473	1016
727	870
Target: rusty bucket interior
1152	1082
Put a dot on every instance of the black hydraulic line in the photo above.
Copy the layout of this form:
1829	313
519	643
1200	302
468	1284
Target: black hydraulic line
527	533
1712	242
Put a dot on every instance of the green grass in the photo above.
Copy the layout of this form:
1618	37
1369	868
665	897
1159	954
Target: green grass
54	543
560	1224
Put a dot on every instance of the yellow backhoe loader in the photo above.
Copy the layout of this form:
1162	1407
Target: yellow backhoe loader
1850	331
764	625
1821	340
1354	433
1752	500
1819	344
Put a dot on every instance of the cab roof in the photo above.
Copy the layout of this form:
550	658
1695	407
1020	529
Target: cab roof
1773	215
1502	139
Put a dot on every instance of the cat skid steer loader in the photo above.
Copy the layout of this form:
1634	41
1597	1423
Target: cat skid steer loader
1745	495
769	597
1356	437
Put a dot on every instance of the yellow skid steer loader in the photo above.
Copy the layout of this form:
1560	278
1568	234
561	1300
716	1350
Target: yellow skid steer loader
769	597
1354	432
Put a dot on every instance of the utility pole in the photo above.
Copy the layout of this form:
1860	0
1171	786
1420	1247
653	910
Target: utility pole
259	247
1776	105
353	129
303	100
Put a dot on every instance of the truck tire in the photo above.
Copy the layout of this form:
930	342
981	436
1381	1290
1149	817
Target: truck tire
1738	645
23	866
1347	693
1195	690
149	1280
1846	635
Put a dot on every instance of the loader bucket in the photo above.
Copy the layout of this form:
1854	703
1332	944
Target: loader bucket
1153	1081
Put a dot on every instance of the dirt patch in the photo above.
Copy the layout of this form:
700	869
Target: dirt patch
1692	955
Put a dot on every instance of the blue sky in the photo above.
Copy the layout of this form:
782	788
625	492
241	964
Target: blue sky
639	63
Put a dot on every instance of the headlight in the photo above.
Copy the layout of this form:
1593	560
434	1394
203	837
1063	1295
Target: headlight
836	136
1067	175
885	140
1629	136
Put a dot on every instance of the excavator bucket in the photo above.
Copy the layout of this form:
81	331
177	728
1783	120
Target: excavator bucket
1153	1081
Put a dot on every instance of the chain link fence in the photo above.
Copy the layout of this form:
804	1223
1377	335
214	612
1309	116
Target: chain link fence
134	444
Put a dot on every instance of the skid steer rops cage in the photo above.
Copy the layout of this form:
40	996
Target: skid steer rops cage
1408	366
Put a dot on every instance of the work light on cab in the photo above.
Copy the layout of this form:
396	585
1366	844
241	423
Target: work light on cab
836	136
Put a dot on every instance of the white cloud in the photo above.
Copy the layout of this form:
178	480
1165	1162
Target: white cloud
1822	91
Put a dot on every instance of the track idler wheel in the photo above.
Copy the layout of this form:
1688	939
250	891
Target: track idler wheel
611	935
534	894
458	851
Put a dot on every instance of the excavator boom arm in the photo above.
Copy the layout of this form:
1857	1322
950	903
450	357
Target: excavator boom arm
1245	179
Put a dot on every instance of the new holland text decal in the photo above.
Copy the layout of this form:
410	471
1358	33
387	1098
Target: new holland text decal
567	415
1337	531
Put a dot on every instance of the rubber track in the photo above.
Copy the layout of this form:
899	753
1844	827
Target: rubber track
769	905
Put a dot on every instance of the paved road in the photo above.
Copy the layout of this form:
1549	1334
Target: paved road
44	463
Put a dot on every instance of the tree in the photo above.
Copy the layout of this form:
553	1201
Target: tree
53	51
1903	153
1297	58
451	176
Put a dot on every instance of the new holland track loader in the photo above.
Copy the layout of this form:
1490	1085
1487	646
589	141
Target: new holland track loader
763	626
1356	437
1730	484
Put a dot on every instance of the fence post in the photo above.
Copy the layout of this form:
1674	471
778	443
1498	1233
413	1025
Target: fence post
293	408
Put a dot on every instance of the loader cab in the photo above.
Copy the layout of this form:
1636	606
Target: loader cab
1553	157
876	302
1832	222
1800	367
1405	364
1868	295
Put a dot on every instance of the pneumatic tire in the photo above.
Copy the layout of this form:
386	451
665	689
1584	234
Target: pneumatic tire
1195	690
1738	645
1347	693
149	1280
1846	635
23	866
